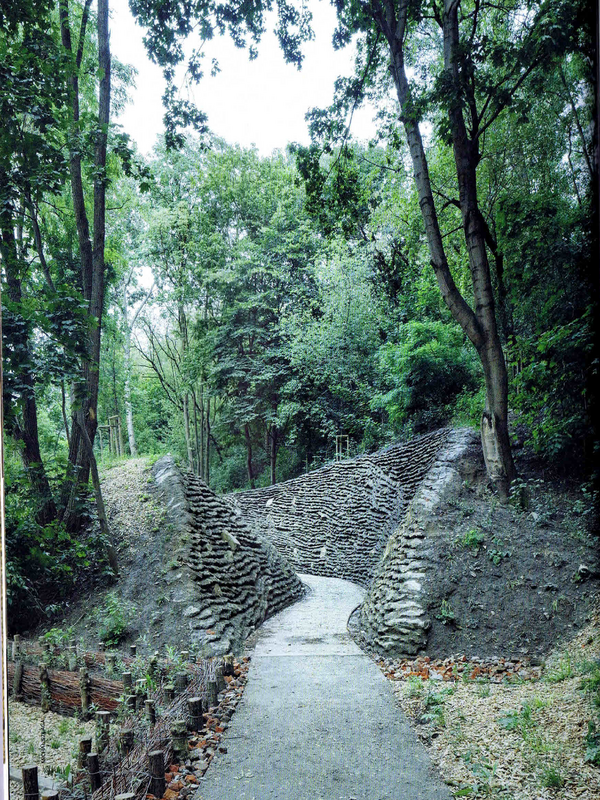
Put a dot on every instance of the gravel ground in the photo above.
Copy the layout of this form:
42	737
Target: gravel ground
62	735
517	741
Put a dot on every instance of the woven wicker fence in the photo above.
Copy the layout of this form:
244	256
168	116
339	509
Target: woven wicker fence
64	689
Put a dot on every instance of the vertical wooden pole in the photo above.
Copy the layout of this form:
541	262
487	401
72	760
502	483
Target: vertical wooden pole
126	741
17	680
212	694
156	763
228	664
179	738
221	682
195	718
94	770
181	681
46	698
85	747
31	789
150	711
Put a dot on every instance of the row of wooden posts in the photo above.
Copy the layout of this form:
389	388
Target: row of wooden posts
133	700
196	708
115	436
156	769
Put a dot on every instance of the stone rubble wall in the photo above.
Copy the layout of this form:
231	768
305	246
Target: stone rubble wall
337	520
229	579
393	619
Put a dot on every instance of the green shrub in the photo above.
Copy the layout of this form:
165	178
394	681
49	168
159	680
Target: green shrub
43	562
114	617
426	372
473	539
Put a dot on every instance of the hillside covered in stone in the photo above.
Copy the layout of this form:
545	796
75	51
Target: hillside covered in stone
229	579
447	568
336	521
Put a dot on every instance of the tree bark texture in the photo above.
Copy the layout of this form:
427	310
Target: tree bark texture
91	247
494	423
249	455
479	324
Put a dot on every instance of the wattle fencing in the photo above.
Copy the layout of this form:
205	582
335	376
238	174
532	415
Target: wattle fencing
137	720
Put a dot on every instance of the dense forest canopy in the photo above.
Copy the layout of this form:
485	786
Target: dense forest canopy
243	311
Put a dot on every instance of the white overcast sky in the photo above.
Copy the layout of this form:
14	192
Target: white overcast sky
261	102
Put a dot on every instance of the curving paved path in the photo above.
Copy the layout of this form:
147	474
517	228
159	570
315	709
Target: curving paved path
317	720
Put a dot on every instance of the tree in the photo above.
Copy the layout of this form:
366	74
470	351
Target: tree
480	62
91	246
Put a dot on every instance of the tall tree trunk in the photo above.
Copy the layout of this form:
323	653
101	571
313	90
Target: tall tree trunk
208	437
479	325
198	454
91	250
128	331
273	453
64	411
111	552
202	426
249	455
186	431
494	422
127	393
26	429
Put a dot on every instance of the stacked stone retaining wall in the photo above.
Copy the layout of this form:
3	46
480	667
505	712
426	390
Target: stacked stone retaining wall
393	618
229	579
337	520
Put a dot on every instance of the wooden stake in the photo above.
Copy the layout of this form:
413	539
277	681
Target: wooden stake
85	747
153	667
221	682
195	718
127	680
181	681
46	697
179	738
156	763
16	647
84	688
150	711
213	699
94	770
126	741
31	789
17	680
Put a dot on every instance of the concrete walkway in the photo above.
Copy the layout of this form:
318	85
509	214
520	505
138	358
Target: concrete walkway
317	720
